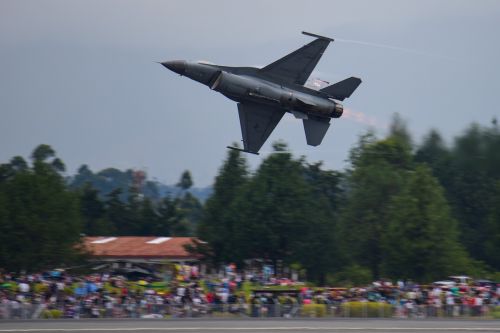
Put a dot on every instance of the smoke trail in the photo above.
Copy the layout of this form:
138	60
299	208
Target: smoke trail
397	48
362	118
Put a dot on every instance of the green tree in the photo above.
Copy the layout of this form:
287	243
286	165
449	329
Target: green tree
42	153
219	218
421	238
492	229
475	168
83	178
131	224
399	131
39	217
192	211
17	165
273	210
378	173
434	152
469	171
149	218
318	249
93	213
171	221
186	181
109	179
116	211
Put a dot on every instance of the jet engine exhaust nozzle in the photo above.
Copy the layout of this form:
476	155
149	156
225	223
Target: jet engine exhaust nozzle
338	111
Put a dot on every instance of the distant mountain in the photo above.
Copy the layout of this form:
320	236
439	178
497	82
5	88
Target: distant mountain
200	193
110	179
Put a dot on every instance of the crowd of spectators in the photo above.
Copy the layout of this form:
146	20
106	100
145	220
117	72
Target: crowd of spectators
413	300
59	294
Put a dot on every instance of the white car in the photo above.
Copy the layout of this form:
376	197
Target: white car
461	279
445	283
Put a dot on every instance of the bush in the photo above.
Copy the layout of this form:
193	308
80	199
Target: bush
493	276
496	312
366	309
40	288
353	275
134	287
110	289
68	290
313	310
51	314
13	287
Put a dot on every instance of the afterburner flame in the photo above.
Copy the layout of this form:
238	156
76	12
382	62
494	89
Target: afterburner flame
362	118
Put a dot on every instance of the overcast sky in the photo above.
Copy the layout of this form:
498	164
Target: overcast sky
81	75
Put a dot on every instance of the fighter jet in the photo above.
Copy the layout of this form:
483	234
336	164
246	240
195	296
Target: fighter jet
265	94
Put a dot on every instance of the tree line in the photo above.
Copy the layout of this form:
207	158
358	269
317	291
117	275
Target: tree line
400	210
44	214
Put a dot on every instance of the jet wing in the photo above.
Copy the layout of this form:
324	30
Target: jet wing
296	67
257	122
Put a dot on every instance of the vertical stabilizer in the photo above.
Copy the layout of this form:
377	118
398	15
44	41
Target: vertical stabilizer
343	89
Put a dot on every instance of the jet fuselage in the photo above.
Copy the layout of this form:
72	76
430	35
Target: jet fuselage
247	88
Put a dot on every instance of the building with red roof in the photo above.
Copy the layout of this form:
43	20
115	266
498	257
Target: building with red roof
132	249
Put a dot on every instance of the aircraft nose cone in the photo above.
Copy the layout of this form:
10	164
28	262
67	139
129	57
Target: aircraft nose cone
178	66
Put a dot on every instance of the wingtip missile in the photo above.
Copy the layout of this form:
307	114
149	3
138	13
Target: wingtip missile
243	150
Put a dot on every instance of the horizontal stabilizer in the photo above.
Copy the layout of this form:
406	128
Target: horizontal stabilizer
343	89
315	130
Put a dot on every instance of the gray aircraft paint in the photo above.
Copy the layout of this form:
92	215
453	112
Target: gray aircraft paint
265	94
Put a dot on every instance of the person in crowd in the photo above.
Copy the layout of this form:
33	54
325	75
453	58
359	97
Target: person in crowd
110	295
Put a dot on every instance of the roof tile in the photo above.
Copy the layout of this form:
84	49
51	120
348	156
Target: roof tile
140	247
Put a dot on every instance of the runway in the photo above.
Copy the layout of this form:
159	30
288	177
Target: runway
252	326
